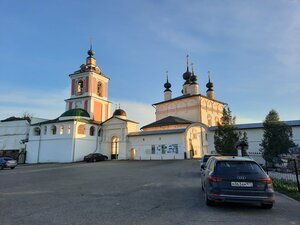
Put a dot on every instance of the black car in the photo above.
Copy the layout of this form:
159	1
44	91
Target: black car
203	161
236	179
94	157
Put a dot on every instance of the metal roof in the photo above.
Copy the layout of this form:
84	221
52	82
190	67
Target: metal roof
155	132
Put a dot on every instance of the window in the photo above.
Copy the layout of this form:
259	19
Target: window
80	87
36	131
209	120
153	149
69	128
81	129
61	130
92	131
53	129
99	89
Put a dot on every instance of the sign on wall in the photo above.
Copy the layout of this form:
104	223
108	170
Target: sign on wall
166	149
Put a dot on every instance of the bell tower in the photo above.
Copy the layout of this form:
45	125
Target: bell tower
89	90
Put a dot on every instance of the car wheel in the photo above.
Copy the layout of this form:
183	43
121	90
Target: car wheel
267	206
207	201
1	167
94	160
12	168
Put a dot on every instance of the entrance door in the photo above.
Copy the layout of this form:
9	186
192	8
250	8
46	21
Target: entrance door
114	147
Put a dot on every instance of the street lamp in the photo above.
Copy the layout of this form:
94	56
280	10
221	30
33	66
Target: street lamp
241	146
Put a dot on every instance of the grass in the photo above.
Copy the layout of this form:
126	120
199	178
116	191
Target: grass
286	187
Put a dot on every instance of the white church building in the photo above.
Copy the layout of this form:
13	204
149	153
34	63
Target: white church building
183	129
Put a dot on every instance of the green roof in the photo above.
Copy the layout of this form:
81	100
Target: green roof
76	112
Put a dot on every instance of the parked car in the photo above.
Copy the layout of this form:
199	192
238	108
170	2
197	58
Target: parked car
203	161
236	179
7	162
94	157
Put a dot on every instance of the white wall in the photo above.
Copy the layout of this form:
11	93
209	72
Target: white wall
11	133
143	144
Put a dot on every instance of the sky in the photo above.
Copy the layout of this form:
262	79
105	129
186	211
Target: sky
250	47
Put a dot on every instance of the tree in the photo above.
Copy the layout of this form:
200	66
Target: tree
277	137
226	136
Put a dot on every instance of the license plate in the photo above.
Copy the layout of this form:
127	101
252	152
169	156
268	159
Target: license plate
241	184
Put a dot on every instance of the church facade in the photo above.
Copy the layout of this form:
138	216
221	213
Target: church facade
179	132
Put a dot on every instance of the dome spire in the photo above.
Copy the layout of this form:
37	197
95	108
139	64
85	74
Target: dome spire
210	88
167	85
193	78
187	62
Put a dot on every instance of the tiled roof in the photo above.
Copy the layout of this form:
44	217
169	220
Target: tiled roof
170	120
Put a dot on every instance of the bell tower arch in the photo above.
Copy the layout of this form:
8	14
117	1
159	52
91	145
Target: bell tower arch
89	90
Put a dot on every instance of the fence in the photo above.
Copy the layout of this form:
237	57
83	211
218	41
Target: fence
287	170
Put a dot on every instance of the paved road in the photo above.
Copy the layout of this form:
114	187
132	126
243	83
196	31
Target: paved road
123	192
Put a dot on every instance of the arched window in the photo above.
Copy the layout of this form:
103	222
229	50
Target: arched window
217	120
99	88
36	131
81	129
53	129
92	131
69	128
209	120
45	130
61	130
114	147
80	87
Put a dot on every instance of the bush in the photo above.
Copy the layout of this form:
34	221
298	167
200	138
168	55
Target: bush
286	187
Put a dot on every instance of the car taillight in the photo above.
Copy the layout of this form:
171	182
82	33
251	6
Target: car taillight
267	180
214	179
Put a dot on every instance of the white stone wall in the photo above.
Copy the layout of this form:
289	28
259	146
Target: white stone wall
143	146
11	133
64	146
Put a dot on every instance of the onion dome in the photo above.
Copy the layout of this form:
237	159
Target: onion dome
187	75
91	52
119	112
209	85
167	85
193	78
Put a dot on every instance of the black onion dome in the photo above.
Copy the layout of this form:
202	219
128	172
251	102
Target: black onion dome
91	52
194	79
187	74
210	86
167	85
119	112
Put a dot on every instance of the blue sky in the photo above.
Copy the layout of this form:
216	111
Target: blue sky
251	47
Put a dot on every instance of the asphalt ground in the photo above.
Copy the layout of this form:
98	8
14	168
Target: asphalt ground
124	192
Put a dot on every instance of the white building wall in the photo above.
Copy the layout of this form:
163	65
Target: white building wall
143	146
11	133
255	137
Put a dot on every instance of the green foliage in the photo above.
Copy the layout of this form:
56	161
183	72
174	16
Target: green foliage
226	136
277	138
286	187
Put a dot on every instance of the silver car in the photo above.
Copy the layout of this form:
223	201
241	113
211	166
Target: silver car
7	162
236	179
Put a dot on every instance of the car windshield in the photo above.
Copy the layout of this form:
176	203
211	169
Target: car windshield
237	167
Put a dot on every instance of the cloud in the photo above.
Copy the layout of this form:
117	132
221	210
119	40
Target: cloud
43	104
137	111
38	103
